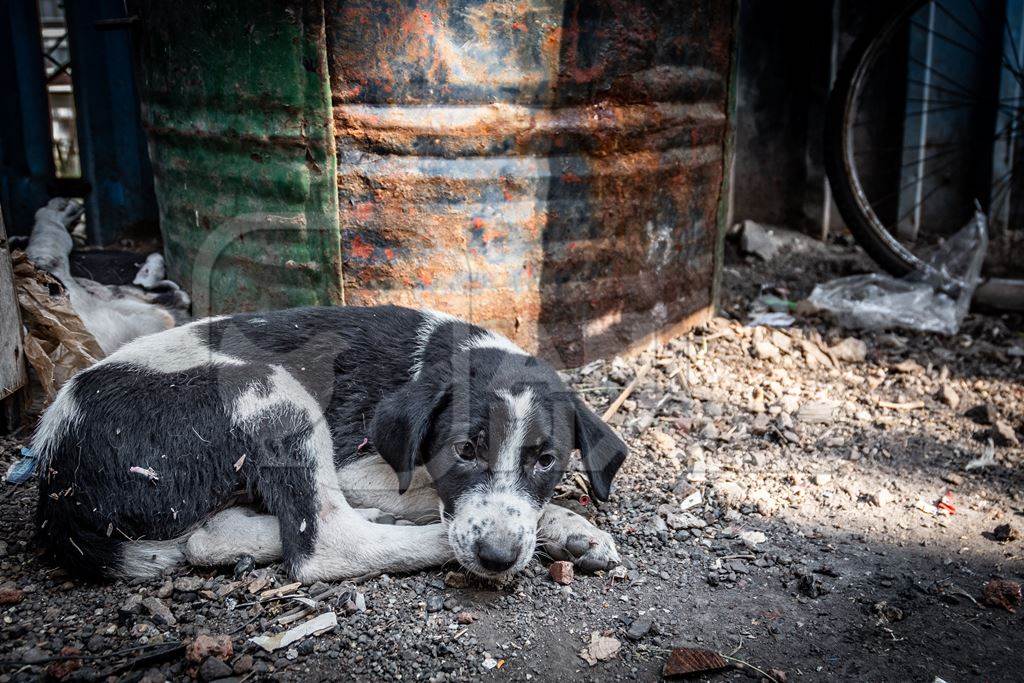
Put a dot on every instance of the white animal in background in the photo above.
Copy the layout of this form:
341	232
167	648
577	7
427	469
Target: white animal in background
113	314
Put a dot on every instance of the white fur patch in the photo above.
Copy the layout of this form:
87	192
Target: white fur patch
175	350
285	390
493	340
506	467
62	414
504	518
431	321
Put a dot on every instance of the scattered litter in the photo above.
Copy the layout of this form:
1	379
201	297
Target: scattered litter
490	662
145	471
56	342
601	649
946	503
1002	593
319	624
21	470
769	310
987	459
935	298
685	661
562	572
240	462
926	507
771	320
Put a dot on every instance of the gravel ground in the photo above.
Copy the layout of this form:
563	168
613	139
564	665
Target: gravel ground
779	507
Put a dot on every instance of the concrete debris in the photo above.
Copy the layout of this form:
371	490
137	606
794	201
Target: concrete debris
849	350
947	394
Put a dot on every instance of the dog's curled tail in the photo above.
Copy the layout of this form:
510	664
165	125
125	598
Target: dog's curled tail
93	554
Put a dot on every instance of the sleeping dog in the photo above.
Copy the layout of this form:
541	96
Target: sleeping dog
284	435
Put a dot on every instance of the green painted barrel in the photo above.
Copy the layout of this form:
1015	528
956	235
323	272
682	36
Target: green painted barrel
552	169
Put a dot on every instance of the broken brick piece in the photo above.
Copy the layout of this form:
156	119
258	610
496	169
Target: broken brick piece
562	572
11	596
685	661
209	646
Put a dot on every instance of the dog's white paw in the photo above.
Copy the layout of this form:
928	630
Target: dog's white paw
568	536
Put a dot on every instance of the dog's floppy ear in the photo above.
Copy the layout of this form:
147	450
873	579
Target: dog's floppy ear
402	422
602	450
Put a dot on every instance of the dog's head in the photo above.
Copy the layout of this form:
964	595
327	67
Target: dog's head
495	428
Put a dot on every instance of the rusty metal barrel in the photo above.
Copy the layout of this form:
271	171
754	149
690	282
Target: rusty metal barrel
551	169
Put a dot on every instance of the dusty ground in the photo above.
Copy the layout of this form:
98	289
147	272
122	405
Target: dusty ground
837	463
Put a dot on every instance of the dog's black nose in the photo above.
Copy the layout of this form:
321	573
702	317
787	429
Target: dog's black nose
495	558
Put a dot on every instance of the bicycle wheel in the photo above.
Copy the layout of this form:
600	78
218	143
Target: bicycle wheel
924	118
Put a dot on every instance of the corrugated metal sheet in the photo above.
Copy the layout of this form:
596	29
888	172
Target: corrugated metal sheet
550	169
236	105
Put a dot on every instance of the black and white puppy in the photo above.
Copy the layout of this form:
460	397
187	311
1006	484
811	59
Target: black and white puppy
285	434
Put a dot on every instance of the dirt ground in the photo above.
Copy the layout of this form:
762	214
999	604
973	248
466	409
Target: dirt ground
816	550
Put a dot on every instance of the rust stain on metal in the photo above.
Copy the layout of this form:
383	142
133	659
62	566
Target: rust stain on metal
550	169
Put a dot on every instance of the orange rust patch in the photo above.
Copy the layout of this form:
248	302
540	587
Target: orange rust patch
361	249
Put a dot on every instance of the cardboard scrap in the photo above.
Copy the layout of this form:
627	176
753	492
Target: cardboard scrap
57	345
600	649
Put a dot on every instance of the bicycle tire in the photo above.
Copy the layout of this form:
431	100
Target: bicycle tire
866	227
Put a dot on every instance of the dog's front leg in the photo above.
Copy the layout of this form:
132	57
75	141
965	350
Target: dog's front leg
348	546
565	535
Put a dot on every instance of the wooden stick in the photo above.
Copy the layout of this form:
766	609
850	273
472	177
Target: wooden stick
617	403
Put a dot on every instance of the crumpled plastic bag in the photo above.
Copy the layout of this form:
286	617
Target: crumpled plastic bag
934	298
56	343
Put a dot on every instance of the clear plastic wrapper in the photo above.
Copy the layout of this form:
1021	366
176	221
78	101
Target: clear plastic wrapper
934	298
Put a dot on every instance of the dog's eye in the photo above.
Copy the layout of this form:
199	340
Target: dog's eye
545	461
465	450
